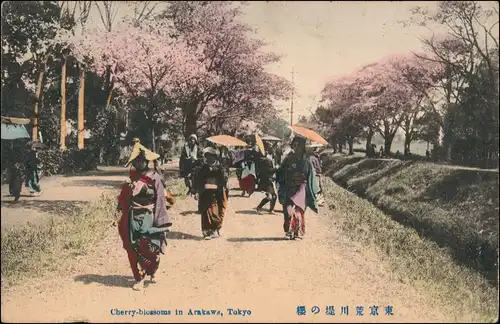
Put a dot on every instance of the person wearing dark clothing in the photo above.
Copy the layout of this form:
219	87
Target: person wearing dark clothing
16	175
266	176
213	197
32	167
161	153
278	153
189	155
296	192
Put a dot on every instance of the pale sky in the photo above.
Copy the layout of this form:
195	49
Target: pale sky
321	40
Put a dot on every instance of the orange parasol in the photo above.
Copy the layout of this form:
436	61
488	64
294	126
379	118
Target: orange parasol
260	144
226	140
309	134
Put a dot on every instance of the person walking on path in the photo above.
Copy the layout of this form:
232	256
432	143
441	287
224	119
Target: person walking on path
212	194
296	181
33	167
317	167
144	219
266	184
189	156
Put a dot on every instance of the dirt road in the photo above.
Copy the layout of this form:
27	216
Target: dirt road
62	194
249	268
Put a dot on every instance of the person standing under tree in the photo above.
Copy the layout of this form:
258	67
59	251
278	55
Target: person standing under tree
189	156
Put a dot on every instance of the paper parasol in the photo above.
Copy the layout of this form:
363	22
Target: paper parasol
309	134
226	140
260	144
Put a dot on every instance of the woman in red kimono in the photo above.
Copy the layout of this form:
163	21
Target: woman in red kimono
144	220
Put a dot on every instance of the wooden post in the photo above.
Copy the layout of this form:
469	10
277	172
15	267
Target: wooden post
38	95
81	110
63	104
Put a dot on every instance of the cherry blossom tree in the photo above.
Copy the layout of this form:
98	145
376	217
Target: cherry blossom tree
231	62
421	75
347	111
145	61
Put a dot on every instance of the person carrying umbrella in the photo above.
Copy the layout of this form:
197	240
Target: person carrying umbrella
13	129
189	156
212	194
296	181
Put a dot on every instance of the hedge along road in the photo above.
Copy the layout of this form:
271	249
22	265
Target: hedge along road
249	268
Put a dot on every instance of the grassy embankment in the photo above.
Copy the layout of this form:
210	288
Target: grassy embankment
34	250
442	232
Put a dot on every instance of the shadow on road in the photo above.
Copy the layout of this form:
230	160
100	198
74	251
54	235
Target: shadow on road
116	184
182	236
255	239
188	212
247	212
22	195
58	207
109	281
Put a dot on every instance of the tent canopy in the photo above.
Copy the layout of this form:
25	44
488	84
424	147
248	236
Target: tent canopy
14	131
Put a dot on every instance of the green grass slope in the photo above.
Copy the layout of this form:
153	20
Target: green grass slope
455	207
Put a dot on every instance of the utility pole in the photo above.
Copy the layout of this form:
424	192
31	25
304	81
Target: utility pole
291	103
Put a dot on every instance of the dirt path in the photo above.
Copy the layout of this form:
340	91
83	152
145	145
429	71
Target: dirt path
61	194
250	267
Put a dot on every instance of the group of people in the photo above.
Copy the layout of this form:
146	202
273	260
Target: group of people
295	182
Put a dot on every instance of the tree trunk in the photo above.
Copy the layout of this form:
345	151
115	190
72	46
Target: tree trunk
339	143
387	144
38	96
369	138
81	111
350	142
63	105
110	94
407	144
190	114
154	140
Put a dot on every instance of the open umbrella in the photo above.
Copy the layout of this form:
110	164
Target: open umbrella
260	144
14	131
269	138
226	140
309	134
